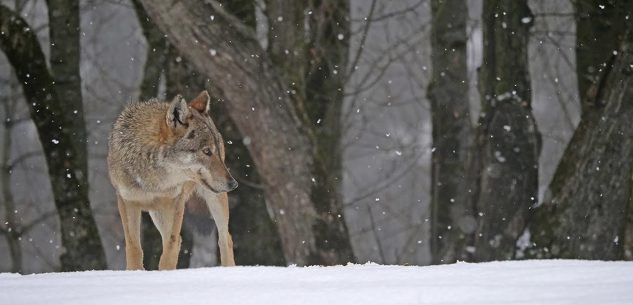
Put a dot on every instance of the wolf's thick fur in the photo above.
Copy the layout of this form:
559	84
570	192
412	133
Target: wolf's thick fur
160	154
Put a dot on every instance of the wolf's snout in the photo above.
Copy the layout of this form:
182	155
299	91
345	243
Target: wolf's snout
232	184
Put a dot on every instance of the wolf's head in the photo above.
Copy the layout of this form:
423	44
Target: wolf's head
199	148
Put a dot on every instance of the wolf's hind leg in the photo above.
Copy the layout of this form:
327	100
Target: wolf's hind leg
131	219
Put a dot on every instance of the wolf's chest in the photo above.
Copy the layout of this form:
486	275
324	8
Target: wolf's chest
144	196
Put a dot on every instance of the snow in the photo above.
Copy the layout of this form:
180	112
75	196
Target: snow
516	282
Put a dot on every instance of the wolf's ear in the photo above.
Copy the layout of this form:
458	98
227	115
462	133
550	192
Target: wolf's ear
178	112
202	102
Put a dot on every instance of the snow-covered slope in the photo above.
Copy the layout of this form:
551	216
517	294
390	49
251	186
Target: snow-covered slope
519	282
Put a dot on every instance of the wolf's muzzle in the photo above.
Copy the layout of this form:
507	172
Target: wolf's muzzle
232	185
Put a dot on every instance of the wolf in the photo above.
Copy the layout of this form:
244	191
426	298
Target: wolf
160	156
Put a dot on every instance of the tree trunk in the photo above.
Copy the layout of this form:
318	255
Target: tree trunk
12	232
598	34
583	214
255	238
287	45
156	53
315	69
325	62
63	27
54	121
227	52
452	215
507	141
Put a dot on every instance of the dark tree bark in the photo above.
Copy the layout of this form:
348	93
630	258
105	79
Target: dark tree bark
325	62
312	57
63	27
54	121
227	51
598	31
507	141
628	233
452	215
287	45
583	214
156	54
255	238
313	61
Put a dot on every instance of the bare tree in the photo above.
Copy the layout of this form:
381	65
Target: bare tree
54	121
507	140
63	28
451	211
283	147
583	213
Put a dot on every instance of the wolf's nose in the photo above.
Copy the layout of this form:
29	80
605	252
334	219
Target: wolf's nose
232	185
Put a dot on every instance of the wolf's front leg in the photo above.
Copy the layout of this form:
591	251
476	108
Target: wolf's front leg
219	206
131	218
168	220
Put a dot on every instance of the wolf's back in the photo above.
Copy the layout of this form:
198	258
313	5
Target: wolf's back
138	123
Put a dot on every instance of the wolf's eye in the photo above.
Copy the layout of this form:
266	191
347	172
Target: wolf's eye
207	151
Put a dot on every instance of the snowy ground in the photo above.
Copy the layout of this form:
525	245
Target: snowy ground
519	282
